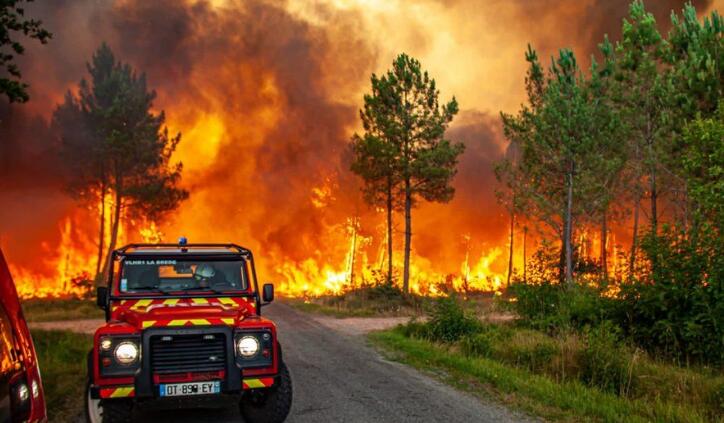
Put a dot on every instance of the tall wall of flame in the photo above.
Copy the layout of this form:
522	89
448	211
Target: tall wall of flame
266	95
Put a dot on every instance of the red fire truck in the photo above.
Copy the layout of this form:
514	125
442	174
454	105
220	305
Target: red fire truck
184	328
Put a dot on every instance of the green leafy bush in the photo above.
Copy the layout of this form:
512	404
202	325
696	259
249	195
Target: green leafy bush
483	344
538	305
716	399
678	311
529	349
415	329
449	321
605	361
554	307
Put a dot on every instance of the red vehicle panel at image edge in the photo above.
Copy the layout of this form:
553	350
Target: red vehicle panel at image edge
21	389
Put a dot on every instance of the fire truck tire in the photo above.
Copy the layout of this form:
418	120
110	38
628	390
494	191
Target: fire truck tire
107	411
269	405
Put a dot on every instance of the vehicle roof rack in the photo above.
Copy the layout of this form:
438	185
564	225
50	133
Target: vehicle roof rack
132	248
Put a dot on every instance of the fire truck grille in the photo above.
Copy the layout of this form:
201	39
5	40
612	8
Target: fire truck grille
188	353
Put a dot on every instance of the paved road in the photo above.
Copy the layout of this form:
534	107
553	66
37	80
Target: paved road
338	378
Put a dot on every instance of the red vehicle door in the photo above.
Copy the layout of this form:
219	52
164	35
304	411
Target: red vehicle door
24	400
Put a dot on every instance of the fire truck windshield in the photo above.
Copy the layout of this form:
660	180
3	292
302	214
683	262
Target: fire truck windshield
169	275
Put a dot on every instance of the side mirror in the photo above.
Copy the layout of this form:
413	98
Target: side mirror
268	293
102	296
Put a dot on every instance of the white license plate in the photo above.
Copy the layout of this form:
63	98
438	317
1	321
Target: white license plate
193	388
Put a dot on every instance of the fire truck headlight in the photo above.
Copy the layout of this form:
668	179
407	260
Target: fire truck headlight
247	346
106	344
23	392
34	388
126	353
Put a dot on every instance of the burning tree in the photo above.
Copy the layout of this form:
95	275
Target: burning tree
564	135
115	146
404	155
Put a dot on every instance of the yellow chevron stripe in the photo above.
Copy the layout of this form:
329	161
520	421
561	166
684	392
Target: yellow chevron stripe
177	323
199	301
141	304
148	323
122	392
227	301
228	321
199	322
172	301
254	383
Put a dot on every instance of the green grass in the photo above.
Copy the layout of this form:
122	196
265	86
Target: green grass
62	358
537	394
43	310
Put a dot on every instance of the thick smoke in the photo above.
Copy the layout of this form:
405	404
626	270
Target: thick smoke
266	100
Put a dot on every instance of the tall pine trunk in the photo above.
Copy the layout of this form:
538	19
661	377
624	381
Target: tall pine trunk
510	248
568	228
604	241
634	237
389	231
354	252
114	230
101	233
408	234
525	256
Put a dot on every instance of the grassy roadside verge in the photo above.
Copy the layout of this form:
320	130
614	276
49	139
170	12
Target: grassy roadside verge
383	301
537	394
62	358
45	310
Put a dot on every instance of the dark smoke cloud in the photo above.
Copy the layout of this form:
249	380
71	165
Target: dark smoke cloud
582	24
248	61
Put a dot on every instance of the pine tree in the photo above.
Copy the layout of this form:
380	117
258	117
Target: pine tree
127	145
404	151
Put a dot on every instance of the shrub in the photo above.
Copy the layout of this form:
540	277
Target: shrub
483	344
716	399
678	309
449	322
537	305
554	307
415	329
529	349
605	362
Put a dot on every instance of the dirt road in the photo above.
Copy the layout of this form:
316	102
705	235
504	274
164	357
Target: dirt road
338	378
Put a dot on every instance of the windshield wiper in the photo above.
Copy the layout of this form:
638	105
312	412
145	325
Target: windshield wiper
153	289
198	288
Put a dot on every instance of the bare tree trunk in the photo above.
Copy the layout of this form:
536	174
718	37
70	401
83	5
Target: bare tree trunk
604	241
654	198
389	231
525	256
101	233
408	234
634	238
568	229
114	231
354	253
510	248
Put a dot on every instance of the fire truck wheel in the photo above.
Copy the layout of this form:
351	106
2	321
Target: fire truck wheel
107	411
270	405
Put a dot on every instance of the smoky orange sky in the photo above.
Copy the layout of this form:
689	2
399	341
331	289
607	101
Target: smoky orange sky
266	96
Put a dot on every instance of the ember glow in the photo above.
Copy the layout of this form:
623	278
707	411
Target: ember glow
266	94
